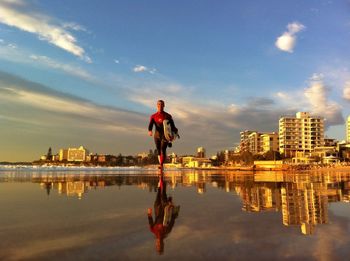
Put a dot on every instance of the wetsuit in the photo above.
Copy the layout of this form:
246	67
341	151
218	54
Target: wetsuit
159	138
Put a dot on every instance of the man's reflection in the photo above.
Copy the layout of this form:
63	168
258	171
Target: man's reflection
165	213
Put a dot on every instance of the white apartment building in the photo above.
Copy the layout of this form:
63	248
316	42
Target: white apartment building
77	154
254	142
300	134
244	142
258	142
348	129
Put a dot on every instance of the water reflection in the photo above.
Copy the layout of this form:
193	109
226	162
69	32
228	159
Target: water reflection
303	199
165	213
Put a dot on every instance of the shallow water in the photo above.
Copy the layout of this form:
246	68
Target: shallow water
84	215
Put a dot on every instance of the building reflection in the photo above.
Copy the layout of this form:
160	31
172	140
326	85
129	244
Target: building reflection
303	199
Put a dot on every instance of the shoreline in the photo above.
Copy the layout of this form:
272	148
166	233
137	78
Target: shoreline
287	168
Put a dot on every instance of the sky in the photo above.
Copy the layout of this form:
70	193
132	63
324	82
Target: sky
90	72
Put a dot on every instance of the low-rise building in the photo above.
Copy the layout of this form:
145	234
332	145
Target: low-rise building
194	162
77	154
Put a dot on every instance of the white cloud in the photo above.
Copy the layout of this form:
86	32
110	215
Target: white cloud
317	94
152	71
12	46
72	70
295	27
10	52
282	95
116	61
287	41
74	26
142	68
16	14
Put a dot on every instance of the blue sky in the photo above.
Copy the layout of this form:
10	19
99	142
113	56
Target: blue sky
90	72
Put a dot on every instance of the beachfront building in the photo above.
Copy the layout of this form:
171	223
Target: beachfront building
244	141
194	162
200	152
77	154
250	141
63	154
330	142
258	142
348	129
254	142
343	149
300	134
269	142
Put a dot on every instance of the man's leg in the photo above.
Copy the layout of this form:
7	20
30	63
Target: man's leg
158	143
164	145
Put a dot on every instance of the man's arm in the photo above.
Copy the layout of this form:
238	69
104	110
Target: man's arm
172	124
150	125
150	218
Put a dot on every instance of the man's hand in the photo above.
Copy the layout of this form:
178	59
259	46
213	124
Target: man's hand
150	133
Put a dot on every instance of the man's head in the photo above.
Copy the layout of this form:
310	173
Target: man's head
160	105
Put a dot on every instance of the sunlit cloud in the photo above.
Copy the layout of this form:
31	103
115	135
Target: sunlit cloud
11	52
69	69
16	14
315	98
317	94
49	102
346	91
287	41
282	95
33	96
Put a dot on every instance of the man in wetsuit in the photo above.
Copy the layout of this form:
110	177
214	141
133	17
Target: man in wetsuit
159	138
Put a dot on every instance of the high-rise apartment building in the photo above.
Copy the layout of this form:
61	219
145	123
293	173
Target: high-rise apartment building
300	134
348	129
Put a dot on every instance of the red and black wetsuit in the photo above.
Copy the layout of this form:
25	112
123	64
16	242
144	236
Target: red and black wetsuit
159	138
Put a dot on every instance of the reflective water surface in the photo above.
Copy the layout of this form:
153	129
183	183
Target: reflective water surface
103	215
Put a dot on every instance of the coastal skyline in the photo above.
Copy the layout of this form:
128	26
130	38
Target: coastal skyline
90	73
